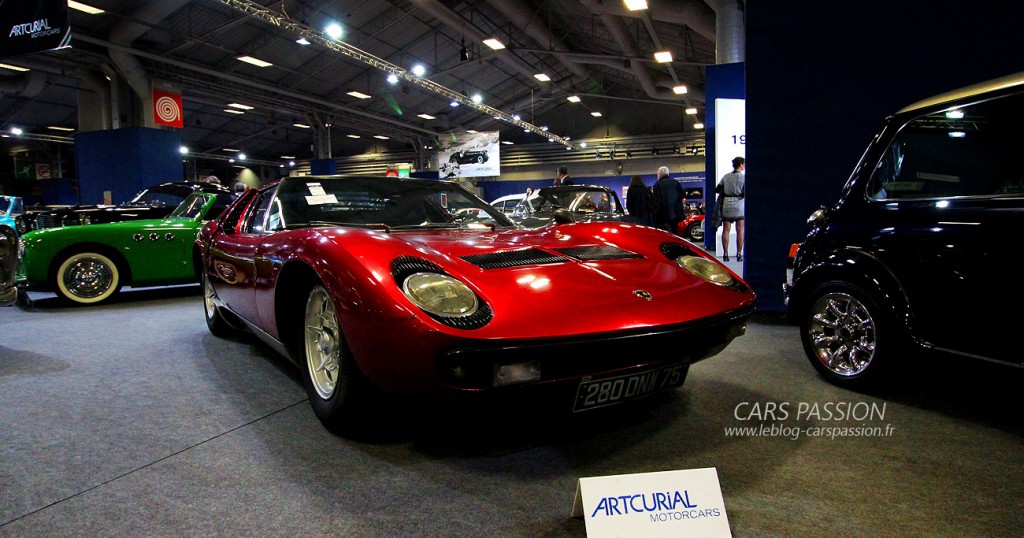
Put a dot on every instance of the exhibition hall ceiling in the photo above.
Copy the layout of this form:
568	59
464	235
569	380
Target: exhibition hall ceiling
597	50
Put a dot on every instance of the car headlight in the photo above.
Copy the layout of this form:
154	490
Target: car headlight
705	269
440	295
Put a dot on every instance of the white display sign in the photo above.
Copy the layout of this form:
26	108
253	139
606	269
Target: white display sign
730	134
668	503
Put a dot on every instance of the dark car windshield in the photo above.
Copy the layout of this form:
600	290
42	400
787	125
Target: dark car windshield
161	195
390	202
192	207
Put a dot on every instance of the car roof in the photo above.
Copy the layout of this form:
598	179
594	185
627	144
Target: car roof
1007	81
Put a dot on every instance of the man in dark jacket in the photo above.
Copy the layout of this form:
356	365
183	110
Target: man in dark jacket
669	194
563	176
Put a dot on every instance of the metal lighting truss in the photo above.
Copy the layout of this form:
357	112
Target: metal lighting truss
291	25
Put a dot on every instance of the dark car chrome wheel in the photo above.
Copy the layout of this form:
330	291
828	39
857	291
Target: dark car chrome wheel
87	278
846	336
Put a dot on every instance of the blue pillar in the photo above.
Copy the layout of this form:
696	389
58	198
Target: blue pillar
122	162
323	167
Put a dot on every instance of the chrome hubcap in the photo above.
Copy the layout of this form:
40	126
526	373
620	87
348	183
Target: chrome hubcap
323	349
843	334
88	278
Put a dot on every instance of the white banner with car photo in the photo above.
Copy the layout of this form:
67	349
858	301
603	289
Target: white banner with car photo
469	155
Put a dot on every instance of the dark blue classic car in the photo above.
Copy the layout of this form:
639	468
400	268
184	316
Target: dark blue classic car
920	251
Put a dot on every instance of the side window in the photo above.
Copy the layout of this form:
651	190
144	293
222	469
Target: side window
963	151
254	224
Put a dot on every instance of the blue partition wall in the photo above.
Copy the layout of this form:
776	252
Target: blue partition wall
125	161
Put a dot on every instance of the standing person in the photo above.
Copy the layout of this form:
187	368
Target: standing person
733	190
668	194
563	177
638	201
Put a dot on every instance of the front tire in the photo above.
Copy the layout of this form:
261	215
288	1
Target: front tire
337	390
695	231
87	278
847	336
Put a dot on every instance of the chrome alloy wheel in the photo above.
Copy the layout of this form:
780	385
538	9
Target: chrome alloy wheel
842	333
323	343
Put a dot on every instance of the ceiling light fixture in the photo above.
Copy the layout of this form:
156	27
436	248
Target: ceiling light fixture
679	90
84	7
573	98
691	111
241	156
392	78
353	136
183	150
233	111
454	103
59	128
663	56
595	114
381	137
334	31
240	105
254	61
472	131
636	5
477	98
426	116
698	125
302	41
419	70
506	142
542	77
358	95
17	131
232	150
13	67
494	43
287	156
301	125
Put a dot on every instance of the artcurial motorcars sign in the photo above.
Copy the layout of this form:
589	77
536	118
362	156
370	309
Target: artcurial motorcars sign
32	26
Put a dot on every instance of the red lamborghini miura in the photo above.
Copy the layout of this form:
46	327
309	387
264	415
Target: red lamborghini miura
387	286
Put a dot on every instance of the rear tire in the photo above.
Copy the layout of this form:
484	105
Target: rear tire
694	231
215	320
87	278
849	339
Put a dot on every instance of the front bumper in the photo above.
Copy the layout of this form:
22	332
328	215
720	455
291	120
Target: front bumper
570	360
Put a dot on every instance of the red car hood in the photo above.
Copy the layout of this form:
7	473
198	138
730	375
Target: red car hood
545	290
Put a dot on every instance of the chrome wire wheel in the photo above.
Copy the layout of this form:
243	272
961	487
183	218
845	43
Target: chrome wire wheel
208	298
323	343
87	277
842	333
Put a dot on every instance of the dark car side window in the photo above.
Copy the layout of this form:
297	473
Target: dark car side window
254	225
964	151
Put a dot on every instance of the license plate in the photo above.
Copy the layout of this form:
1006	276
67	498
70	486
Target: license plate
595	393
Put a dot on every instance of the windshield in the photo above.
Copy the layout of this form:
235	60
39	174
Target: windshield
580	201
160	195
192	207
393	203
5	205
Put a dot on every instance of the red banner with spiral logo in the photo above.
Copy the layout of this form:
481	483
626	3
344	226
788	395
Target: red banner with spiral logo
167	109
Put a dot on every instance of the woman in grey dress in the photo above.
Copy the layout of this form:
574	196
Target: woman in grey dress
733	187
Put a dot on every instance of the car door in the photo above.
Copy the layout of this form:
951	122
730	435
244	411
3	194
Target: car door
954	207
232	263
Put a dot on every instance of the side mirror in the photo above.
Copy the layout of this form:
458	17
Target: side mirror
564	216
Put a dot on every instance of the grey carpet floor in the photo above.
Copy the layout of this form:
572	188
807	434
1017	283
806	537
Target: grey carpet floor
130	419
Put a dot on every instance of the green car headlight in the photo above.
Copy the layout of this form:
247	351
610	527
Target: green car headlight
440	295
705	269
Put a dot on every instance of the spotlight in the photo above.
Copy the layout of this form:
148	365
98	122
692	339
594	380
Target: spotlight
334	31
464	52
419	70
392	78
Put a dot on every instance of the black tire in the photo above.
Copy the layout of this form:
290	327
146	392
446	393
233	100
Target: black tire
480	159
694	232
215	320
849	339
87	278
338	392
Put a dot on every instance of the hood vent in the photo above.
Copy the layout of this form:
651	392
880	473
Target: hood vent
513	258
597	253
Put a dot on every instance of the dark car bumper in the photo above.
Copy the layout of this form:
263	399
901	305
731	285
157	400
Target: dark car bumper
568	361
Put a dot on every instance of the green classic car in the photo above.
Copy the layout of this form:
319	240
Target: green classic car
90	264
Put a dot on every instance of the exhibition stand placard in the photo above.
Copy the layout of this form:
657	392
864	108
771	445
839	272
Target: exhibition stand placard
683	503
33	26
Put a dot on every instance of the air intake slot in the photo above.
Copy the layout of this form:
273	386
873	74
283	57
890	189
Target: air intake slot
597	253
513	258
